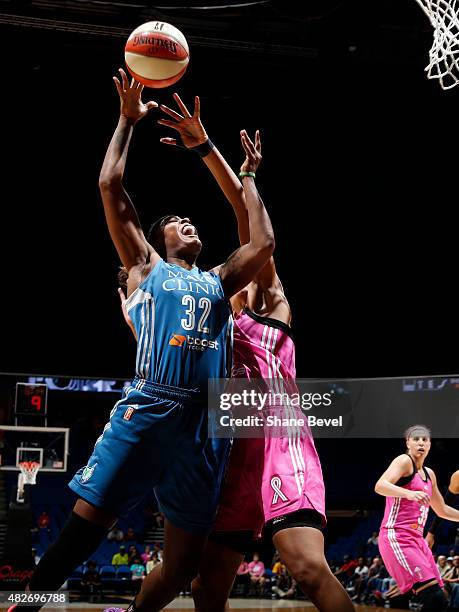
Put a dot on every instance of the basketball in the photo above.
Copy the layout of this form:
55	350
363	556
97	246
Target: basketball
156	54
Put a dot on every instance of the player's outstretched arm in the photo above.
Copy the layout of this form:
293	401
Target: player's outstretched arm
401	466
193	134
438	504
122	220
245	263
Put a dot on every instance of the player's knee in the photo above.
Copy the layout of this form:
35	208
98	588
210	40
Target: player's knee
432	599
309	573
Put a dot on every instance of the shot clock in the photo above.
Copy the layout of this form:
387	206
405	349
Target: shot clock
31	399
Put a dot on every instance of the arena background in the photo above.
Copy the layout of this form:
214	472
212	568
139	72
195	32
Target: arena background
359	176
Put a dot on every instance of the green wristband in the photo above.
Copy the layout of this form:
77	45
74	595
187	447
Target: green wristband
242	174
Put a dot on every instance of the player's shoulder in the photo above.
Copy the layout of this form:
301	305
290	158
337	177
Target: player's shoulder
404	462
403	459
431	473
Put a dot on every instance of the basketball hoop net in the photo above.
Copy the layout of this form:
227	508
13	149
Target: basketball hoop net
28	475
444	53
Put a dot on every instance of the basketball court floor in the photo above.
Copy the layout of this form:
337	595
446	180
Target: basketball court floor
243	605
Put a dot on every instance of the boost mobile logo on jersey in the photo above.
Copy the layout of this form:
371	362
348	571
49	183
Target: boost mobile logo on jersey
177	340
196	344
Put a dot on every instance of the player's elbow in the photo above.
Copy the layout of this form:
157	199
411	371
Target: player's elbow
266	246
378	488
109	181
441	511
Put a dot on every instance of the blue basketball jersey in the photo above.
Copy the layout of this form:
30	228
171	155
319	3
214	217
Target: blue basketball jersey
183	325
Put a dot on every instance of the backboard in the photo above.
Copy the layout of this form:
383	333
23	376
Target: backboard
48	446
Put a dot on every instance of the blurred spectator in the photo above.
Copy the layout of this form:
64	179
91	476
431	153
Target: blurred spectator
346	571
115	535
138	573
44	521
131	536
159	519
90	582
286	586
278	567
373	540
153	562
133	553
362	568
451	576
443	565
256	571
360	578
377	579
375	569
243	577
121	557
158	550
146	555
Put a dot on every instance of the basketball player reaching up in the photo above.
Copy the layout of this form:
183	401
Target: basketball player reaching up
410	488
451	498
156	437
292	507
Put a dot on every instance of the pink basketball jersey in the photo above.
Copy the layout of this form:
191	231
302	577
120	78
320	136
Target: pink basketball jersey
287	468
263	347
402	513
401	543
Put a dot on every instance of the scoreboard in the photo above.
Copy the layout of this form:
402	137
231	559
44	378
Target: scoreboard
31	399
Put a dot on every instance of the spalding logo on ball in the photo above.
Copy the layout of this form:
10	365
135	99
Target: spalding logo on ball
157	54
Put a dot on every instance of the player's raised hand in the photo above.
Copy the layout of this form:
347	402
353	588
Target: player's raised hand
131	105
252	152
189	127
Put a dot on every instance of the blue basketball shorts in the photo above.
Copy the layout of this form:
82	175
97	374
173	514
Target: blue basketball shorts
156	438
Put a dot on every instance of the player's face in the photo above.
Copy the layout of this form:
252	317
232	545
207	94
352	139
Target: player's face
180	232
418	445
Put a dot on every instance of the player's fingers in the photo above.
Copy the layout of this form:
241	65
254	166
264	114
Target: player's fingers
181	105
122	295
124	79
246	150
197	107
167	123
119	89
247	144
171	112
257	141
151	104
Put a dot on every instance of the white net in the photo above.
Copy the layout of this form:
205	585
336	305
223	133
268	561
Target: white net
444	53
28	475
29	471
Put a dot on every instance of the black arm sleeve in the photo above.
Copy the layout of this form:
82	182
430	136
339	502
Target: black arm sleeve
450	499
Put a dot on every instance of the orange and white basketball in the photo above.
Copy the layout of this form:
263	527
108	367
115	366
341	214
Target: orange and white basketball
157	54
